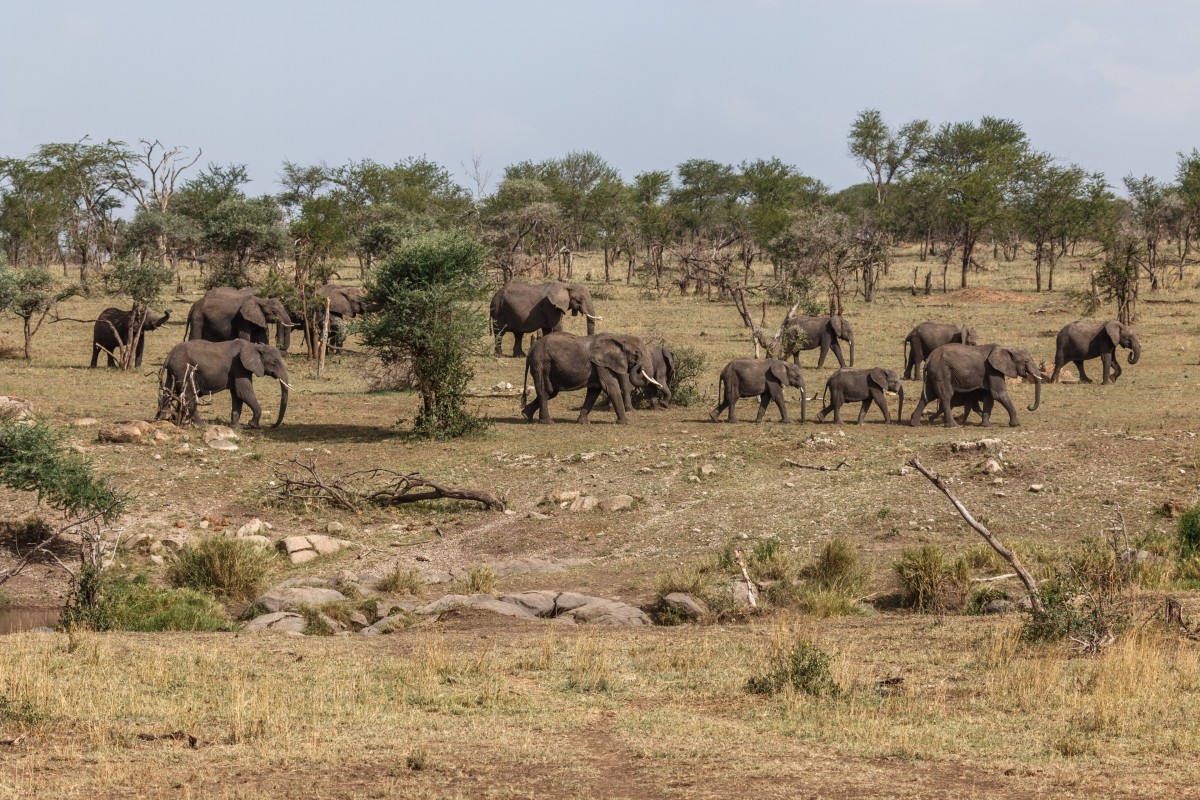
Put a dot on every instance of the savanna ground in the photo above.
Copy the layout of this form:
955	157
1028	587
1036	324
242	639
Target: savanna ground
479	706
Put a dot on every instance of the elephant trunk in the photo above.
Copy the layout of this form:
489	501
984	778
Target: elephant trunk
1135	352
852	350
1037	394
283	336
900	407
590	312
803	400
283	396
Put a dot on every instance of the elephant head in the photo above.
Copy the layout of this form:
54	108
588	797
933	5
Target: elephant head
575	298
259	311
888	381
347	301
967	335
1015	362
789	374
150	323
262	359
619	353
843	331
1123	336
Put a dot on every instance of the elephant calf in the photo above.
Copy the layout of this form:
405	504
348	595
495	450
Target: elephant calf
112	332
217	366
1081	341
959	373
864	386
761	377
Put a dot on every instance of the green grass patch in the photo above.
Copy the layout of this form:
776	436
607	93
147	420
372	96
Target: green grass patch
226	567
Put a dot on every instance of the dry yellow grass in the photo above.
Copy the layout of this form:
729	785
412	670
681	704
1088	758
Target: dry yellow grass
494	708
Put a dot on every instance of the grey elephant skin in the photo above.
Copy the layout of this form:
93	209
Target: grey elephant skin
807	333
763	378
663	372
864	386
521	308
1083	340
978	402
929	336
221	366
345	303
224	314
112	330
957	369
612	363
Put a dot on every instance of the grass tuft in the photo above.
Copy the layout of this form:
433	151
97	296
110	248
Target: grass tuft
226	567
401	581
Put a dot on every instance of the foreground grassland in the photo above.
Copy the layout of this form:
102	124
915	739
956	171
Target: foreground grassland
474	706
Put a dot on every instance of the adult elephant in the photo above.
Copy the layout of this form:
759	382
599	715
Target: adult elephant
612	363
114	329
219	366
224	314
345	303
663	372
959	369
929	336
806	333
864	386
521	308
761	377
1081	341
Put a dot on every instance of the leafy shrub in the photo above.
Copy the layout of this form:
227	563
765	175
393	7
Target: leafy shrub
689	368
1087	599
402	581
803	668
929	581
223	566
1187	533
105	603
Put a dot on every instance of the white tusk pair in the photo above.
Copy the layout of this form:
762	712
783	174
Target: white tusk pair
589	316
647	377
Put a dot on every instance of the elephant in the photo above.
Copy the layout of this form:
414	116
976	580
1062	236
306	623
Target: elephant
219	366
663	372
764	377
608	362
1081	341
112	330
521	308
957	369
978	402
226	313
929	336
345	302
822	332
862	385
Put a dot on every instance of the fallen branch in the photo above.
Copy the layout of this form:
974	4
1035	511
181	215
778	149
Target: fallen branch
741	562
1003	577
192	741
14	741
818	467
1035	599
299	481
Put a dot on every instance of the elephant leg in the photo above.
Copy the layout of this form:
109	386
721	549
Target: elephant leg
986	412
528	409
1083	378
1106	361
715	414
544	395
615	389
95	353
141	343
776	395
1000	393
732	400
626	391
879	399
764	401
862	411
517	350
589	400
945	397
499	340
112	362
1116	367
824	353
837	352
915	419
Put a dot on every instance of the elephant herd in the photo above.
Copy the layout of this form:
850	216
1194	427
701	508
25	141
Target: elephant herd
952	366
227	343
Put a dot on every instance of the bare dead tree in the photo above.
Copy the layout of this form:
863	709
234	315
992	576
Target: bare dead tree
162	167
297	481
758	332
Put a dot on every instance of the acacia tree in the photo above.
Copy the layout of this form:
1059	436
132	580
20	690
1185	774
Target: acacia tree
143	281
886	155
1044	203
29	293
1187	190
1148	202
149	176
429	291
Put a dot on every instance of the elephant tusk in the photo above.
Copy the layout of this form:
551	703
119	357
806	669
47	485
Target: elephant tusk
589	316
651	380
286	385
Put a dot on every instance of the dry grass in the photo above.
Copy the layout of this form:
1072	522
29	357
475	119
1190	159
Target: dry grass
497	708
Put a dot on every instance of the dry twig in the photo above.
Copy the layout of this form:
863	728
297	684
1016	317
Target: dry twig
818	467
296	480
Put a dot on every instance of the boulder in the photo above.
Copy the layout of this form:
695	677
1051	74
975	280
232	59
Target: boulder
252	528
482	602
583	503
560	497
120	433
84	422
618	502
279	622
14	409
290	597
999	606
388	624
707	469
538	603
608	612
685	606
215	433
222	444
991	467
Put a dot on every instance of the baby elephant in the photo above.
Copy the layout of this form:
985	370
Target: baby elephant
862	385
764	377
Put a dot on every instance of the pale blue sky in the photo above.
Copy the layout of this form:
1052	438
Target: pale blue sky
1112	86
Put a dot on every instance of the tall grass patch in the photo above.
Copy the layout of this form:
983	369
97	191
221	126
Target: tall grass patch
226	567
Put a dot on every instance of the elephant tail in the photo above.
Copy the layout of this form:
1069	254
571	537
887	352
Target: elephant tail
525	384
906	357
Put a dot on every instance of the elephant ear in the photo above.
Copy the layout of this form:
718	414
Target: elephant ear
252	359
669	360
252	311
559	297
1002	360
879	377
778	370
610	353
1113	329
840	327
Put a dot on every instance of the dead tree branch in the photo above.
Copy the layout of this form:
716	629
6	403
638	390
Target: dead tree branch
818	467
297	481
1035	599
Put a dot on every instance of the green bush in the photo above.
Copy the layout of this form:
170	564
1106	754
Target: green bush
1187	533
223	566
804	668
689	368
106	603
1086	599
839	569
929	581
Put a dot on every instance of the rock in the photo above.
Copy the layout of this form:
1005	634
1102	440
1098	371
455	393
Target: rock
999	606
819	441
536	515
991	445
120	433
741	593
159	436
560	497
261	541
991	467
693	478
359	619
334	527
310	581
1036	487
388	624
279	622
293	544
84	422
219	433
707	469
685	606
326	545
538	603
157	559
618	502
503	386
608	612
288	598
583	503
302	549
14	409
482	602
222	444
174	542
389	608
138	541
252	528
183	448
